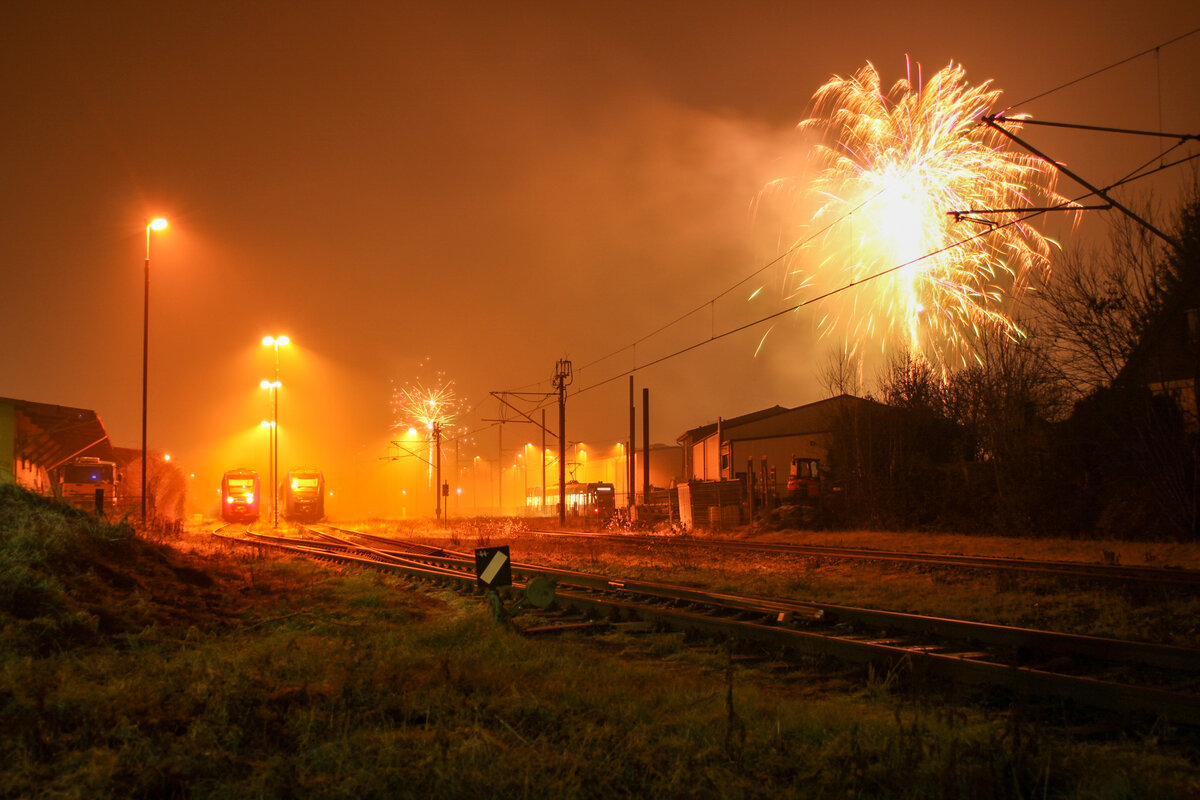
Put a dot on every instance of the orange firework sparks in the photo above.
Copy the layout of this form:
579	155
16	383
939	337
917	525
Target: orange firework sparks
419	406
425	409
892	166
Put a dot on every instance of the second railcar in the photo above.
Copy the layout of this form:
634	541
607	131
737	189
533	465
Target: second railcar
240	495
595	500
304	495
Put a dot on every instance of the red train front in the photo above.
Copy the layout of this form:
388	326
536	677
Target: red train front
239	495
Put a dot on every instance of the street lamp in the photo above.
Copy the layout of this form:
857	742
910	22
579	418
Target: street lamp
276	342
156	224
624	462
273	442
525	477
269	426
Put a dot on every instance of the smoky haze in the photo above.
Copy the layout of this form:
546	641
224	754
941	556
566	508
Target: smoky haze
463	186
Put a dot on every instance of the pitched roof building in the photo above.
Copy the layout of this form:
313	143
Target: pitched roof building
37	439
727	448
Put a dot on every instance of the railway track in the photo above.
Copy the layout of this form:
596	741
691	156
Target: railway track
1112	675
1071	569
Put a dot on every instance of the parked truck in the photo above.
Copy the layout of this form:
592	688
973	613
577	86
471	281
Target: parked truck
89	483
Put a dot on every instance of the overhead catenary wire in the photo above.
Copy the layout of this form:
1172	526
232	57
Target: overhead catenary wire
859	282
709	303
1102	70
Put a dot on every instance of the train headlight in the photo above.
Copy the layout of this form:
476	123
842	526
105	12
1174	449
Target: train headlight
249	498
228	499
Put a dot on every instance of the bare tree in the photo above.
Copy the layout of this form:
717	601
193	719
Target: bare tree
908	380
841	373
1098	304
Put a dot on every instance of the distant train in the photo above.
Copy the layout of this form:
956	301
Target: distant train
240	495
304	495
595	500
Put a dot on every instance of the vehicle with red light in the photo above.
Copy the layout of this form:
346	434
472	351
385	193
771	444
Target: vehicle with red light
304	495
240	495
603	501
595	500
804	480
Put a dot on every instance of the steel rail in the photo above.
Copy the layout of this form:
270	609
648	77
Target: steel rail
1158	575
981	633
1179	707
792	632
1035	641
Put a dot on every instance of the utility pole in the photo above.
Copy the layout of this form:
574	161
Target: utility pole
437	457
993	121
631	453
562	379
544	462
646	444
505	403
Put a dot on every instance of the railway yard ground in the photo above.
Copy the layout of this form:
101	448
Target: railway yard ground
1150	611
191	667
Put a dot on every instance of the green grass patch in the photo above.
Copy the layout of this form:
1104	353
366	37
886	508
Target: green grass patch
286	679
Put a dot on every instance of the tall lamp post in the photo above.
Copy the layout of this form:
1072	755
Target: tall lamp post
156	224
272	440
525	477
269	425
525	452
275	342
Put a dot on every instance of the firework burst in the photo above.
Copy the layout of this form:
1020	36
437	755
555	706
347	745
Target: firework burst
421	407
424	409
891	166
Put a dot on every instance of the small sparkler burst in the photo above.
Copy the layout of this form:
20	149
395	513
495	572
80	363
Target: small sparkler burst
422	407
892	166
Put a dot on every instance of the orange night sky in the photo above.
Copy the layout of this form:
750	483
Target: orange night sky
471	189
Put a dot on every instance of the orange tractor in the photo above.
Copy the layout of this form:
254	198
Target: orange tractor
804	480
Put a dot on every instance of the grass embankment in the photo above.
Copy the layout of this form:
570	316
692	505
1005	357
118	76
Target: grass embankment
130	670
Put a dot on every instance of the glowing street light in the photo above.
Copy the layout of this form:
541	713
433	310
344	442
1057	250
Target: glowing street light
273	443
269	426
275	342
157	224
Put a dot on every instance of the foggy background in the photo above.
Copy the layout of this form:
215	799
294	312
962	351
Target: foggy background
470	189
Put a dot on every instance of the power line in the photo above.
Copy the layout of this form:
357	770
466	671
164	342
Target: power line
710	303
853	284
1113	65
1183	137
756	272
